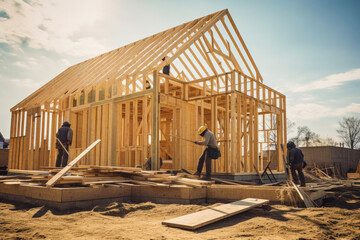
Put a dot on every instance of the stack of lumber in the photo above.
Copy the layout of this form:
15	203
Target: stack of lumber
97	176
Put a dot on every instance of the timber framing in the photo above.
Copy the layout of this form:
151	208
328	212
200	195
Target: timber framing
213	81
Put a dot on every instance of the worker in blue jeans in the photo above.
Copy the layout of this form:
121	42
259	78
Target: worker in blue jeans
210	152
296	161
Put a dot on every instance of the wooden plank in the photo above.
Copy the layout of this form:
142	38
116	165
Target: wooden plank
155	162
112	134
34	172
92	133
98	134
84	132
144	130
127	134
55	178
199	219
307	200
104	135
194	181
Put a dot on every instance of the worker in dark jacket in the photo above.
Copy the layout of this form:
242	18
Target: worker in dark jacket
64	135
296	161
210	152
166	68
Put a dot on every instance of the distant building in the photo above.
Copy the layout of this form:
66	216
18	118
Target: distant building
3	142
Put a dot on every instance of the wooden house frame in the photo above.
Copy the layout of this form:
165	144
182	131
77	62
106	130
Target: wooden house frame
213	80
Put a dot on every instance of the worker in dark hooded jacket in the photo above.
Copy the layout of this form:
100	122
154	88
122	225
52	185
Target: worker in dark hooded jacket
64	135
296	161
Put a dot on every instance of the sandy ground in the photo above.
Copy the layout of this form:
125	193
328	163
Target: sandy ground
339	218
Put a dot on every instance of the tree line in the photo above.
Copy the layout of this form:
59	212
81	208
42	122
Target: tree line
348	131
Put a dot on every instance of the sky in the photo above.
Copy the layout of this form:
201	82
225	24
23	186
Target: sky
308	50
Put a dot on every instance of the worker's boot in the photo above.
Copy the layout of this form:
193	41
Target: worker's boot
206	178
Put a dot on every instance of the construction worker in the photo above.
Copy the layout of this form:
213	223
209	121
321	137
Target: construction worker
297	163
166	68
210	152
64	135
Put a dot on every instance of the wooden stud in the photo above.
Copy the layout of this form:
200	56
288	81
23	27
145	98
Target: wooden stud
155	124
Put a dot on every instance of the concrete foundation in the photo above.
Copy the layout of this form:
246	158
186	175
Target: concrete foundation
87	197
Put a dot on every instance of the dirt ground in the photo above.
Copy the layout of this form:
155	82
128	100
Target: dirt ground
339	218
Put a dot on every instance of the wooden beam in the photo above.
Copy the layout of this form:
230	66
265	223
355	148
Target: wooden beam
55	178
155	123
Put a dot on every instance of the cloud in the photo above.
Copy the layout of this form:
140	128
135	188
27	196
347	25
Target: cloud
311	111
330	81
51	25
26	83
28	63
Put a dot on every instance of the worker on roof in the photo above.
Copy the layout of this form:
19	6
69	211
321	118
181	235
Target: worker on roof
297	163
210	152
64	135
166	68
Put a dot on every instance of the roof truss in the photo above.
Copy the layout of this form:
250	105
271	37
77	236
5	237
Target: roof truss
207	46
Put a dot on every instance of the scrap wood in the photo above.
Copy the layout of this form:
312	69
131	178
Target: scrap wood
153	172
3	178
274	183
40	178
151	183
22	183
110	168
224	181
31	172
194	182
233	182
55	178
199	219
321	173
105	182
306	199
12	182
154	179
107	178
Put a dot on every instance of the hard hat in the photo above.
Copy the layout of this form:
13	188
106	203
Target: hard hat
202	129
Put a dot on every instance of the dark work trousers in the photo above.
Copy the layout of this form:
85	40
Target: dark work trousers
205	157
298	167
62	157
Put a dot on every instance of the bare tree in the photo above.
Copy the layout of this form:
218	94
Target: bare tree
311	138
273	133
349	131
305	137
327	141
289	126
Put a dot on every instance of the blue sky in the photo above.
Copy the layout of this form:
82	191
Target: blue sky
308	50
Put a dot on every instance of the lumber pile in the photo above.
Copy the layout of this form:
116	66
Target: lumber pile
97	176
